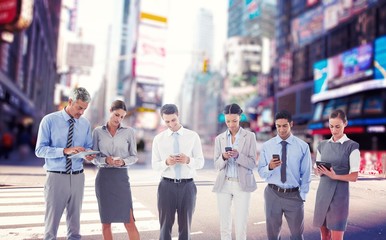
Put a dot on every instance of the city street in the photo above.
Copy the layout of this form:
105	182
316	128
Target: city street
22	205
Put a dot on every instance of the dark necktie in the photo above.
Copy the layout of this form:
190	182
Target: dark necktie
283	161
69	144
176	149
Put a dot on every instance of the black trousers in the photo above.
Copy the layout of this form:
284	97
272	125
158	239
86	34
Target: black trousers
172	198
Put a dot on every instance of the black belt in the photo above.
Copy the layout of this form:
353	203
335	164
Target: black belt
184	180
64	172
283	190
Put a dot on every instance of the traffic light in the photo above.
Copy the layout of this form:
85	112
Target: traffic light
205	65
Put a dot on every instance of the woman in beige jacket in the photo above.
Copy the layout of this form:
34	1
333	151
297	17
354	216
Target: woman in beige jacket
234	157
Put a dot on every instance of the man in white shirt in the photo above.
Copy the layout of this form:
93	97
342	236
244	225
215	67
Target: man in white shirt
176	154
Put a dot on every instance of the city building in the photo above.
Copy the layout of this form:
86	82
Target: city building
331	55
251	32
28	68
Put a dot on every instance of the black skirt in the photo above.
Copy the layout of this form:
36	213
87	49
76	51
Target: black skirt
112	188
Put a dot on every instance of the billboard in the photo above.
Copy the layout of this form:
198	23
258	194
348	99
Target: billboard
80	55
337	11
285	70
380	58
253	8
320	76
343	69
151	51
307	27
8	11
350	66
372	162
149	95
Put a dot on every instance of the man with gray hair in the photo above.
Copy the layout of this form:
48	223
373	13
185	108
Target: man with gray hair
61	134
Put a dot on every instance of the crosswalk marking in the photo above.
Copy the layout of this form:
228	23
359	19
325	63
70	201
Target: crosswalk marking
22	215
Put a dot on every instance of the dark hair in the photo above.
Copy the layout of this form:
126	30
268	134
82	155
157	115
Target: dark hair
283	114
169	109
118	104
232	109
80	94
339	114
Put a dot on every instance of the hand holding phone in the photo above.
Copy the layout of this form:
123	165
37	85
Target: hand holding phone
228	149
275	162
276	157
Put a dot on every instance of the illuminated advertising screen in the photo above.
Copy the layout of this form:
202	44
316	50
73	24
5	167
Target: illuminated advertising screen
343	69
285	70
350	66
372	162
307	27
373	105
380	58
328	109
338	11
355	107
253	8
320	76
149	95
318	112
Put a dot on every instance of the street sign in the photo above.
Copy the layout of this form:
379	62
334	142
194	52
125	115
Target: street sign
80	55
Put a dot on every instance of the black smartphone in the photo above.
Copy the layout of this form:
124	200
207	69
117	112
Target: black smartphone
324	164
227	149
276	157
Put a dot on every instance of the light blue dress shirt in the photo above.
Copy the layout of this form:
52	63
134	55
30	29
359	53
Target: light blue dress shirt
52	139
299	164
232	168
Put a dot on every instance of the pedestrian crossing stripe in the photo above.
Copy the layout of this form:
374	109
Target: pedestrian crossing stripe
22	215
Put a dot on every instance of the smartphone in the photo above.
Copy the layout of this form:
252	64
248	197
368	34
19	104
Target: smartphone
176	155
324	164
227	149
276	157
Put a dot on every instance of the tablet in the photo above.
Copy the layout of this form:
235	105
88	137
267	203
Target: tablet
83	154
325	164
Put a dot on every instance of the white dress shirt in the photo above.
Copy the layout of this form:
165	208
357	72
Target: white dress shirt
189	144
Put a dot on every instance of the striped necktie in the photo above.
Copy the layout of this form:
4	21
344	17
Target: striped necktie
69	143
176	150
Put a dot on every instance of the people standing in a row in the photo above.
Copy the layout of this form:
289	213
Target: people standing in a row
332	197
176	154
118	150
61	134
285	164
235	160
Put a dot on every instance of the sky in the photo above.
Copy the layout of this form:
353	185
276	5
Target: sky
95	16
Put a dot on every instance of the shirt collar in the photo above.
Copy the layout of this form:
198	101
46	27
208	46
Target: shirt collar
229	132
288	140
104	127
180	131
341	140
66	116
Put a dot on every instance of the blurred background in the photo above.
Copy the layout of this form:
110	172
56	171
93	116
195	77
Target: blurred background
306	56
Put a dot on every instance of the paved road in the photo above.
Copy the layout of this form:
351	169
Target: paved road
22	205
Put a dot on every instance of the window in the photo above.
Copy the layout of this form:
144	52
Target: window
355	106
318	112
328	109
373	105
